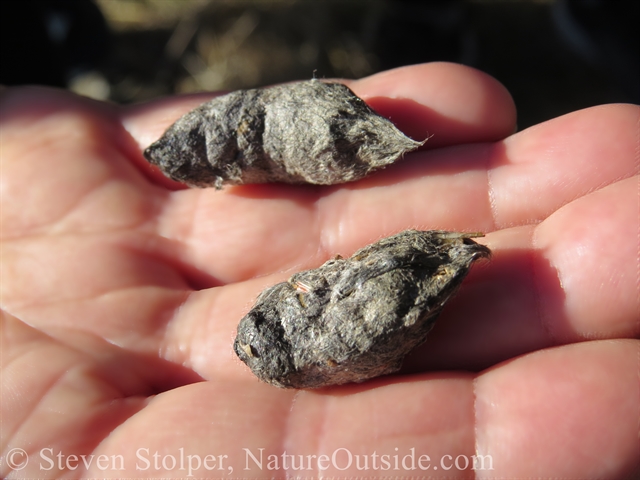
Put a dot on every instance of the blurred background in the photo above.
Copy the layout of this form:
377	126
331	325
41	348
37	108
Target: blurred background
554	56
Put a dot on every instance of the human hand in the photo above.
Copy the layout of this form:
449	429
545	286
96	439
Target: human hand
122	292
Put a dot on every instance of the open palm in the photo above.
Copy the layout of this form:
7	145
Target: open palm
121	294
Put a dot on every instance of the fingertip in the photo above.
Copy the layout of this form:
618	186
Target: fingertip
575	399
593	246
448	102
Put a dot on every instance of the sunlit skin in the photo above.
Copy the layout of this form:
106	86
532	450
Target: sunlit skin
121	292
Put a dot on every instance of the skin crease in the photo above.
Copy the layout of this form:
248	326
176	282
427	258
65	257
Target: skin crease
121	292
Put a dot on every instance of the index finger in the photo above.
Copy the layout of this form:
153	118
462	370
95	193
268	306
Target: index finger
447	103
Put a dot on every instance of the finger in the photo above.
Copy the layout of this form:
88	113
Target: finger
244	232
558	413
593	246
561	282
537	171
448	102
517	303
553	414
445	102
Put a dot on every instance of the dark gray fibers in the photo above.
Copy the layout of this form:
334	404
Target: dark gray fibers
354	319
305	132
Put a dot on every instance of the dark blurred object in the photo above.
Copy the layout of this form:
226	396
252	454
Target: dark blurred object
553	56
416	31
521	45
49	42
605	34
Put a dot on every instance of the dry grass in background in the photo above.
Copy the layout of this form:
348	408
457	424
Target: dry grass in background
163	47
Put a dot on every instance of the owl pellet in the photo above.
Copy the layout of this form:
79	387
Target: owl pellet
304	132
354	319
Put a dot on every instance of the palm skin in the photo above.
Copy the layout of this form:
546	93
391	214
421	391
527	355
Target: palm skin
121	293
